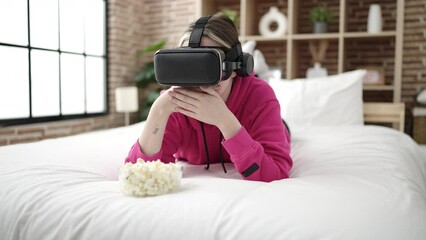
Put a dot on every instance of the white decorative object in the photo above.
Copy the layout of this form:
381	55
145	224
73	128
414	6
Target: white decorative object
421	98
273	15
419	111
374	19
316	71
126	100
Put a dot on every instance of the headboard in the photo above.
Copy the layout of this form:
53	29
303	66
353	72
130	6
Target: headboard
385	113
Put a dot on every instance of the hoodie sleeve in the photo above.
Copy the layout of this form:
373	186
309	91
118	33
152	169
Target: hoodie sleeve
171	141
261	150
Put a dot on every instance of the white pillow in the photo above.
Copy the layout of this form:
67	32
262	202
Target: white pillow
248	47
325	101
260	65
270	74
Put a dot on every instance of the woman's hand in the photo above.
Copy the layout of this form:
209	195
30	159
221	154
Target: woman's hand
206	106
203	104
162	105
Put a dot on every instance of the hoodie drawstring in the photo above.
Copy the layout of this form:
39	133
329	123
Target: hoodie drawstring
205	146
220	153
207	149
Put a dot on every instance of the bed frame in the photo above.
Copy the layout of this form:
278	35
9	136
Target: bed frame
385	113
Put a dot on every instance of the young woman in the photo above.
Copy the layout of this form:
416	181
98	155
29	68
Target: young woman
238	120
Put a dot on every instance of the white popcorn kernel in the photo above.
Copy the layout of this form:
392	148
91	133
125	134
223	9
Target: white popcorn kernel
149	178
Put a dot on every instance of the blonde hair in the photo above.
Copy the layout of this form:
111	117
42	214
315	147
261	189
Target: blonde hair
219	28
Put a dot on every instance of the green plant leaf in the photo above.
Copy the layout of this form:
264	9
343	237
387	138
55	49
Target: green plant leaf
143	115
153	47
232	14
320	14
145	75
152	96
146	107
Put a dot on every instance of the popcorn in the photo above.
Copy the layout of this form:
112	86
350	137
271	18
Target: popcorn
149	178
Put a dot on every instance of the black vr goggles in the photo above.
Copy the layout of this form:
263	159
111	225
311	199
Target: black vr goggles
200	66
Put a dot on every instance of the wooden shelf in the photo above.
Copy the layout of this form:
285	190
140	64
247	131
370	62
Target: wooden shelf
369	35
260	38
350	46
378	87
314	36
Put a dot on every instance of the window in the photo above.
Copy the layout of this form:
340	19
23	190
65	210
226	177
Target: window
52	60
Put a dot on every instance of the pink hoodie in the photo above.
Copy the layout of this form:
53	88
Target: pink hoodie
260	150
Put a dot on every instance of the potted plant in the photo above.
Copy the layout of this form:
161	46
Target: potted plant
145	79
320	16
232	14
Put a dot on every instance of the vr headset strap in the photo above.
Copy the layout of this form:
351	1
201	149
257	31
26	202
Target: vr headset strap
197	33
234	53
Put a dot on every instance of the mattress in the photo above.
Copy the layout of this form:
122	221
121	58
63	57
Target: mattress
349	182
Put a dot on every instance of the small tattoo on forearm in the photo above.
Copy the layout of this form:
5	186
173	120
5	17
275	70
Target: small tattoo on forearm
156	128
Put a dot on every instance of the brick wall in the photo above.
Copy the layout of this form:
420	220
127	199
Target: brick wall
40	131
414	55
134	24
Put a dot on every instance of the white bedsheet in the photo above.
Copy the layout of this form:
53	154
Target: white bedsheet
364	182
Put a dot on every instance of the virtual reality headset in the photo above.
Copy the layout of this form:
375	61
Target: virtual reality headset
200	66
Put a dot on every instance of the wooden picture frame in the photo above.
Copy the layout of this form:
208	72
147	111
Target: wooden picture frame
375	75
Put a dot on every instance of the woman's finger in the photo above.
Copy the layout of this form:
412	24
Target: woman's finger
182	101
186	100
208	90
186	112
196	94
185	97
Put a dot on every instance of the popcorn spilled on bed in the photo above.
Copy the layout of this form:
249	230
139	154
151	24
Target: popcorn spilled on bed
149	178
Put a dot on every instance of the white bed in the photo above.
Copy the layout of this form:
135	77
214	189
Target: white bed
349	181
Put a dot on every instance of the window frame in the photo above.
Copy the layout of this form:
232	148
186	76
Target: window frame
61	117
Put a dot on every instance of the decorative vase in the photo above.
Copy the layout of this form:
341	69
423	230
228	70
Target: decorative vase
273	16
320	27
374	19
316	71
